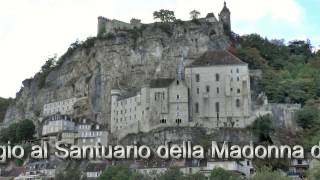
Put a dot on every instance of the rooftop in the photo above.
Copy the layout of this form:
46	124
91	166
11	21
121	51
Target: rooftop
161	82
222	57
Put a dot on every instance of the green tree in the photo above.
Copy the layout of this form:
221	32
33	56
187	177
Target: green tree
194	15
170	174
266	173
164	15
196	176
221	174
263	126
25	130
18	132
120	172
307	117
71	174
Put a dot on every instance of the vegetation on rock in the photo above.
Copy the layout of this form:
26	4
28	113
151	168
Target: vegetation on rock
18	132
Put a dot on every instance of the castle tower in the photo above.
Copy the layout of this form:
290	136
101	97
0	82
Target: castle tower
224	17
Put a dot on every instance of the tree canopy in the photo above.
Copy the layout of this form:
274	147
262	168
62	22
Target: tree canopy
164	15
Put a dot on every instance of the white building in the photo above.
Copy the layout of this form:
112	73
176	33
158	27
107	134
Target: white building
39	170
91	133
57	123
219	90
163	103
215	93
63	107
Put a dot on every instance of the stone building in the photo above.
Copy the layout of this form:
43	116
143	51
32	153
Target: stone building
162	103
91	133
219	88
106	25
57	123
63	107
215	93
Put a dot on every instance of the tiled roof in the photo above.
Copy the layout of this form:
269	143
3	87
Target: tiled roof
211	58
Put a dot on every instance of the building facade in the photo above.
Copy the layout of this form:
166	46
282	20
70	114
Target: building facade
219	87
163	103
91	133
63	107
214	92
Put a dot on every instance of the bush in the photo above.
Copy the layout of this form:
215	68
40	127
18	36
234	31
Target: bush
221	174
120	173
307	117
18	132
266	173
263	126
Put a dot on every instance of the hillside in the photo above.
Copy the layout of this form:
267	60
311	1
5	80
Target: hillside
128	58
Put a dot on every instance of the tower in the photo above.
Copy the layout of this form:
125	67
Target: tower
224	17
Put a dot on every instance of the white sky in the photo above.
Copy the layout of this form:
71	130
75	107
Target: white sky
33	30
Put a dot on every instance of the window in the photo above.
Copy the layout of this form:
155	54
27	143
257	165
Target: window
178	121
237	70
217	107
238	79
178	97
217	77
218	90
238	102
178	82
207	89
238	91
196	107
198	90
197	77
163	121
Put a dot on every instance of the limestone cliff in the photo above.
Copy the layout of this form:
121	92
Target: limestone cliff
126	57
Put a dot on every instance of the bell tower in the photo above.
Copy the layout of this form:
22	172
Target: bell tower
224	17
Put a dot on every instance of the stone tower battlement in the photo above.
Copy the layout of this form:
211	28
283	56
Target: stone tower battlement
106	25
221	26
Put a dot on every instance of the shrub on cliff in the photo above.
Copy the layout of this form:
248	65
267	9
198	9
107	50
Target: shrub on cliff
18	132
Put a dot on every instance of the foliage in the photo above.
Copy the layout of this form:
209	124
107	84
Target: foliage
72	174
120	173
314	173
196	176
49	65
274	164
194	14
164	15
172	173
18	132
263	126
221	174
296	67
266	173
307	117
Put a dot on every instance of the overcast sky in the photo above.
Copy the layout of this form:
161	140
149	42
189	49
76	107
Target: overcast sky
33	30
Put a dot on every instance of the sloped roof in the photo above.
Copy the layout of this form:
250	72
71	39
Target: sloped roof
222	57
161	82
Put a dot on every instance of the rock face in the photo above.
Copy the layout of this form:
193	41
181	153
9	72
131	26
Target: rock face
128	58
197	135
